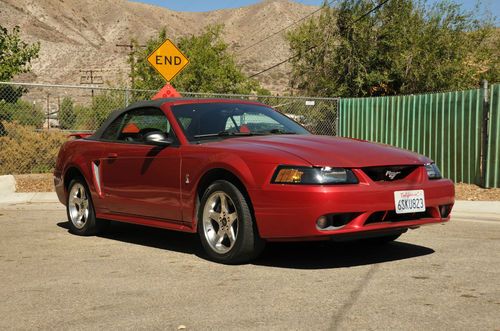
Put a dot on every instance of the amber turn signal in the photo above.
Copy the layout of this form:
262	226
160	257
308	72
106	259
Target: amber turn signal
288	175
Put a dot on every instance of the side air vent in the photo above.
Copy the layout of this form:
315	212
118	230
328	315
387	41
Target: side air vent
96	169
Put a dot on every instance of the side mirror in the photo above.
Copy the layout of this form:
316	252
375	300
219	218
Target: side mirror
157	138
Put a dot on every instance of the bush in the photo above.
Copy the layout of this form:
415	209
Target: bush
91	117
24	150
23	112
67	115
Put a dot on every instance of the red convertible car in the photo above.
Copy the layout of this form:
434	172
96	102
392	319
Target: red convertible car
240	173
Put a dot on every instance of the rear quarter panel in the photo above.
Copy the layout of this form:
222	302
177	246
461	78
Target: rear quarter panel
78	154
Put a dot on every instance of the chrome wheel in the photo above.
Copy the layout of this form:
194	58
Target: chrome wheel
220	222
78	205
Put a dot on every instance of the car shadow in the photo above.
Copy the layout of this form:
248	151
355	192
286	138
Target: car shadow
292	255
328	255
175	241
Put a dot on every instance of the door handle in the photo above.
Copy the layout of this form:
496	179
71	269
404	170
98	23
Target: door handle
112	155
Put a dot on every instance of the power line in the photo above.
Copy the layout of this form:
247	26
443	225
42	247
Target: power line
94	69
285	28
317	45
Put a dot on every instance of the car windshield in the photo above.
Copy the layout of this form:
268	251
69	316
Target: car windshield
214	120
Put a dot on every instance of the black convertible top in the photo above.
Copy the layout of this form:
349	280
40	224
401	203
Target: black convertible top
146	104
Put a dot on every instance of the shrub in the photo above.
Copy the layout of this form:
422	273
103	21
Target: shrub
91	117
67	115
23	112
25	150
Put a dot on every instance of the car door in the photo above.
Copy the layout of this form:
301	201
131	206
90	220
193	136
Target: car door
140	179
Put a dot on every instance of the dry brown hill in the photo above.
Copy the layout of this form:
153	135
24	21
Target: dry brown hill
82	34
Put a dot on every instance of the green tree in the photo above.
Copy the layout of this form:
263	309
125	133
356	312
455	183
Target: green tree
15	57
212	69
404	47
67	115
15	54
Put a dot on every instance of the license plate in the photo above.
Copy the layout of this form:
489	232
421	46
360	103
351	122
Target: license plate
409	201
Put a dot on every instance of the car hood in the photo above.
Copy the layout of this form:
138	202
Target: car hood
327	150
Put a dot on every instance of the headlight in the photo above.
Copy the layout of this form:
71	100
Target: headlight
433	171
310	175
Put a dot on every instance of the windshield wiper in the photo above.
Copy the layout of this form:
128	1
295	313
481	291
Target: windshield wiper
224	134
279	131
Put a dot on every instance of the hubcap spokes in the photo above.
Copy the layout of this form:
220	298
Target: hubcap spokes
220	224
78	205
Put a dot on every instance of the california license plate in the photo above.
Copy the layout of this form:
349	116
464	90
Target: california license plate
409	201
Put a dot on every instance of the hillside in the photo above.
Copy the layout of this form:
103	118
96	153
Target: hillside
82	34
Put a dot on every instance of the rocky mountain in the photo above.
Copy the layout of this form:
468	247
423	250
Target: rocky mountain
77	35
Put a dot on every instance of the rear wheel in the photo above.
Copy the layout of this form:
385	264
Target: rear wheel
80	210
225	224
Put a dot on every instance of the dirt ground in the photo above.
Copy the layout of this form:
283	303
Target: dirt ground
44	183
34	183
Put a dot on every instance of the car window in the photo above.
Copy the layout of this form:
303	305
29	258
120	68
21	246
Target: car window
185	121
133	125
112	131
252	121
205	120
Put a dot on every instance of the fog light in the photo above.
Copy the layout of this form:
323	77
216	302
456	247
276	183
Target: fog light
322	222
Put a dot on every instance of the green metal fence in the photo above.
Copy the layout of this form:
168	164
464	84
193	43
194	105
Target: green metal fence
493	150
444	126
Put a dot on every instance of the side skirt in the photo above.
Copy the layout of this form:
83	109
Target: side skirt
152	222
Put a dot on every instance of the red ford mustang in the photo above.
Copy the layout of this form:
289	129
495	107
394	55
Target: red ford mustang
240	174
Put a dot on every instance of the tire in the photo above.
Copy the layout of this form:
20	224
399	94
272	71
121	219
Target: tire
226	227
80	210
382	240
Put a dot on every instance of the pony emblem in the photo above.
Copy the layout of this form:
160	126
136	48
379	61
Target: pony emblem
392	174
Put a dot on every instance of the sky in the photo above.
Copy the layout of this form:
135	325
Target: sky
206	5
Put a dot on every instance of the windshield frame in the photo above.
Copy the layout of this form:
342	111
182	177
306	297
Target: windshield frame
293	126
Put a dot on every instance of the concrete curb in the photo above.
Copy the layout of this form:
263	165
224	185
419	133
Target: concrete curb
8	193
32	197
484	206
7	185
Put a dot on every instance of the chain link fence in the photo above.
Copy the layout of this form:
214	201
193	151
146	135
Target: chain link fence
35	119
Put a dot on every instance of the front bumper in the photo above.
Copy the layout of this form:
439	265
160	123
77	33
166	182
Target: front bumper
290	212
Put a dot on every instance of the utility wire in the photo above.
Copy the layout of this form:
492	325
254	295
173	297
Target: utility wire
285	28
317	45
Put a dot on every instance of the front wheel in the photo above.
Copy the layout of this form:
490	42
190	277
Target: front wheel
225	224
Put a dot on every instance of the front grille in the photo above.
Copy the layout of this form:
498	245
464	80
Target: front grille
389	173
392	216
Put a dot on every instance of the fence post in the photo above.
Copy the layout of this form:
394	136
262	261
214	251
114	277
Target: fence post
484	133
337	119
48	112
126	97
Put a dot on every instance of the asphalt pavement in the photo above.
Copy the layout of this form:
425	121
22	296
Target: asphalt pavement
437	277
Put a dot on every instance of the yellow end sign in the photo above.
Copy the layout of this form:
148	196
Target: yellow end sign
168	60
